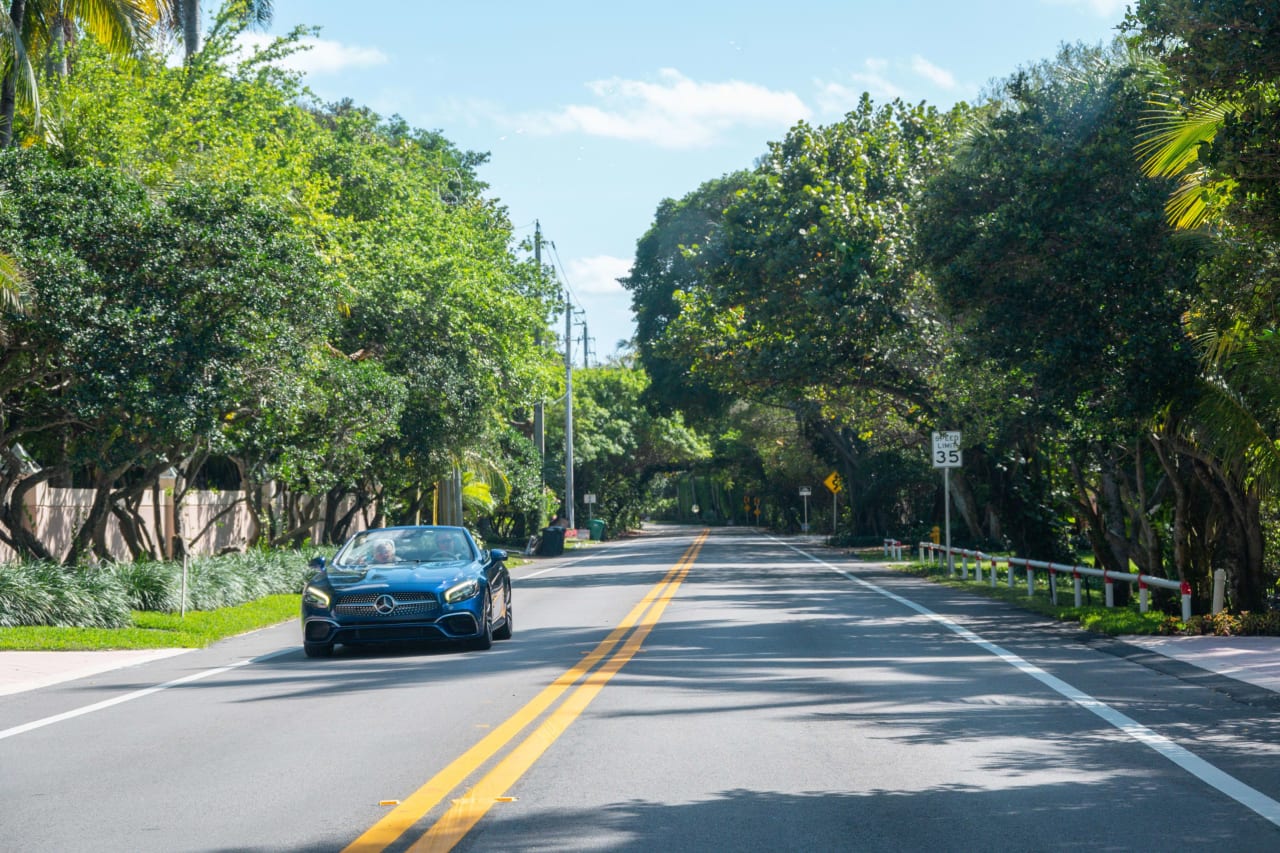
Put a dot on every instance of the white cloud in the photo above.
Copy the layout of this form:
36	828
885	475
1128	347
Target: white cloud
838	97
672	112
605	303
878	79
940	77
321	56
598	275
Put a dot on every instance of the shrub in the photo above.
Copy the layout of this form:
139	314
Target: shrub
48	594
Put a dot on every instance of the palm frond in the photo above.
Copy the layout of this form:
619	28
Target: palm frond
1169	146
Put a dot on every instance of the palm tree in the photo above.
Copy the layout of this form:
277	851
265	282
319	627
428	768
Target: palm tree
182	17
13	282
1171	148
16	68
34	27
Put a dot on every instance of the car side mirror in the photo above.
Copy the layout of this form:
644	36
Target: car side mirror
497	555
316	563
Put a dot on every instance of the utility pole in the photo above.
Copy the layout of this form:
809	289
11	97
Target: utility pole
539	426
568	407
586	345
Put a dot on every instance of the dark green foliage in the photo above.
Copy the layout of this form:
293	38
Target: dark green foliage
1227	51
102	597
47	594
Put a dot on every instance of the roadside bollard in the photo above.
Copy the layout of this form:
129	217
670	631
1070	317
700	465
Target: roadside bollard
1109	597
1031	580
1186	601
1143	595
964	563
1219	590
977	567
1075	579
1053	586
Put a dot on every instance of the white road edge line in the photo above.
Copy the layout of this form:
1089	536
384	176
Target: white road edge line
1250	798
136	694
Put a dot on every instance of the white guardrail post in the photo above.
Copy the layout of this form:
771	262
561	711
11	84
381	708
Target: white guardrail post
1109	578
1219	590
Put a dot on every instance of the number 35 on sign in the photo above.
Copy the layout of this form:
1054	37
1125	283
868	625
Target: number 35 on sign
946	450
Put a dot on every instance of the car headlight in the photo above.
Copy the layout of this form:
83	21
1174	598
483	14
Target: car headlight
463	591
315	595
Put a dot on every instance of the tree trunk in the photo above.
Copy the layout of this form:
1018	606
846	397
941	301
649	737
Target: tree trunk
189	12
13	515
9	87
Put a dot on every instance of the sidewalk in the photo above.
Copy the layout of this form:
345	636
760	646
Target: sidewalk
1253	660
21	671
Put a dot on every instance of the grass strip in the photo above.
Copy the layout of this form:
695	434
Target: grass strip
195	630
1113	621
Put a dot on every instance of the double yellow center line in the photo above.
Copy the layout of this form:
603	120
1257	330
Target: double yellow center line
467	811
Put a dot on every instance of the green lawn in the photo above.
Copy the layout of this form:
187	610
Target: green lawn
158	630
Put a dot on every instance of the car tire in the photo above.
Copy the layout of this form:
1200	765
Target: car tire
485	641
318	650
504	633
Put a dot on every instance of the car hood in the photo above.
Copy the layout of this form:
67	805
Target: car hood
408	576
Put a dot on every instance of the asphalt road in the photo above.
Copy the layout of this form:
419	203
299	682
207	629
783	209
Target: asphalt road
672	692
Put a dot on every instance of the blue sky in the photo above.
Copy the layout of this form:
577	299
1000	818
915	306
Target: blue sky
592	113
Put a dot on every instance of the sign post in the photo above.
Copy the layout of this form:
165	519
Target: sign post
805	491
947	455
835	484
589	499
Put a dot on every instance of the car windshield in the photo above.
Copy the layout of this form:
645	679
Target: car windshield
405	545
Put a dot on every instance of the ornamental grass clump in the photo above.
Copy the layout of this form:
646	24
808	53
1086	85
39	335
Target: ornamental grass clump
48	594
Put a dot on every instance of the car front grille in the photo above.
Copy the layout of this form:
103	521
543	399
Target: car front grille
407	604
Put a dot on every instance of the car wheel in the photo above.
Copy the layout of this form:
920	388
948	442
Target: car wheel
485	641
504	633
318	650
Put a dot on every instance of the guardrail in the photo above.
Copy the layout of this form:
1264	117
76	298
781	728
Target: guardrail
934	554
893	548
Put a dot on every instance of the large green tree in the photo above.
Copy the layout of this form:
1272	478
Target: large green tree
1051	255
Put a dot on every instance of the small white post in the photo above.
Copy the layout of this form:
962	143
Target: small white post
1109	597
1076	582
1053	587
964	563
1219	590
1144	595
1031	581
1186	601
977	567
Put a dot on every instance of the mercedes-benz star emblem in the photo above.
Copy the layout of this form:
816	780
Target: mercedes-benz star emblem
384	604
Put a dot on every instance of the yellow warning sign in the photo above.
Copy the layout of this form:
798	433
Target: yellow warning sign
834	483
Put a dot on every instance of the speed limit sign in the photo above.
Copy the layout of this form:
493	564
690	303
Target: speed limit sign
946	450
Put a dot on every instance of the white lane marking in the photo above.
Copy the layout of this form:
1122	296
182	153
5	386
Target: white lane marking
136	694
1250	798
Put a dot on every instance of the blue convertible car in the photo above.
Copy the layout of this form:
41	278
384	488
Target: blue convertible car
407	584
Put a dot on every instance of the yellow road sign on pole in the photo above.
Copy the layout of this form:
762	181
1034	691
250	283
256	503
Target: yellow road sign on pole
834	483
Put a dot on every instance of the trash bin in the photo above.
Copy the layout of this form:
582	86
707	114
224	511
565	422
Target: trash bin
597	529
552	542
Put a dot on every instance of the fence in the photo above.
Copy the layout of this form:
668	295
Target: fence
936	553
212	521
